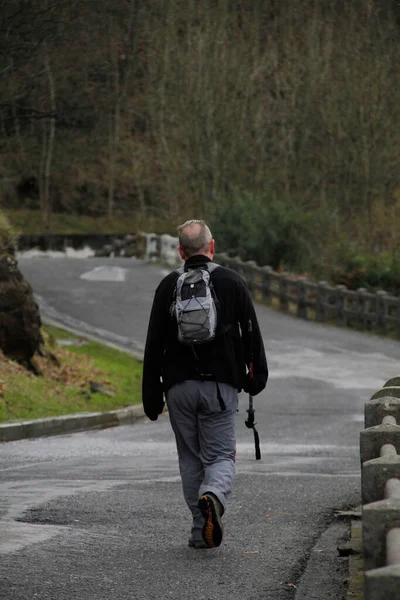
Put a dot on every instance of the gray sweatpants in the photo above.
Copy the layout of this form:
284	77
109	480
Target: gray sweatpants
205	440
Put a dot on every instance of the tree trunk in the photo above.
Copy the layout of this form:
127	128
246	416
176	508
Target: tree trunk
48	141
114	142
119	86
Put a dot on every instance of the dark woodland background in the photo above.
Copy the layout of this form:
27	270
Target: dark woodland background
277	121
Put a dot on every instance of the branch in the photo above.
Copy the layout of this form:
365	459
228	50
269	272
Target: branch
33	114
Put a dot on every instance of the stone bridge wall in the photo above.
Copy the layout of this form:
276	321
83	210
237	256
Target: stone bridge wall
308	299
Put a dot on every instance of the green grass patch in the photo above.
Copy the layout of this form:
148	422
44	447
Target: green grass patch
65	385
55	334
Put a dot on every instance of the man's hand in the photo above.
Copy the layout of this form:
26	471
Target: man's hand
255	385
153	414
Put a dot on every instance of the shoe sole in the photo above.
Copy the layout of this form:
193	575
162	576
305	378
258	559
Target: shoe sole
200	545
212	530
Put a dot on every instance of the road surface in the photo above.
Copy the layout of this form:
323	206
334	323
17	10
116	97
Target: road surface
100	514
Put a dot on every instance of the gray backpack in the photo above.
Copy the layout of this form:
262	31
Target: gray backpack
195	306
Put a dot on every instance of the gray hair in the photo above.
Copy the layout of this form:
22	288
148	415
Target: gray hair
194	244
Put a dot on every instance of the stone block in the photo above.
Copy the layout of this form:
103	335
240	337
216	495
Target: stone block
106	251
129	239
117	245
266	284
169	250
141	245
378	408
394	382
377	519
373	438
374	475
130	251
250	272
152	246
382	584
392	390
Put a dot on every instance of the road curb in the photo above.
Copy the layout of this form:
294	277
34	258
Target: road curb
11	432
94	338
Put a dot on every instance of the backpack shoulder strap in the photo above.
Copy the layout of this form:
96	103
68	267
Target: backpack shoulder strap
211	266
180	271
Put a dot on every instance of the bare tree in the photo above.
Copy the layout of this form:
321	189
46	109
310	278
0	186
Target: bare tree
122	47
49	128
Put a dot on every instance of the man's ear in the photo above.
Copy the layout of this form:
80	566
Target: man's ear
181	252
212	247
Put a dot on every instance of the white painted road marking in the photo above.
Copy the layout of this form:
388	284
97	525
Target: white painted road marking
344	369
105	273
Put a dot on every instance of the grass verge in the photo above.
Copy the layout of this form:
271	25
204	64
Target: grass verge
69	365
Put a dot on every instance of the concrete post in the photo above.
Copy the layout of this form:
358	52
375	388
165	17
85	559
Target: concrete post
141	245
377	409
249	270
341	317
283	299
220	258
237	265
320	303
153	246
227	261
169	250
302	299
258	283
382	584
373	438
377	519
266	284
362	308
376	472
394	382
393	390
381	311
393	547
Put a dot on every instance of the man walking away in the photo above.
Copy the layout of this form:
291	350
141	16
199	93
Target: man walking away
198	352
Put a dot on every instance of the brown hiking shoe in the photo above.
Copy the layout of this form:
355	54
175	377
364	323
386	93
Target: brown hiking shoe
211	510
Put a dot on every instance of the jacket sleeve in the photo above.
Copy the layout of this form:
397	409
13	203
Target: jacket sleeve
253	345
152	387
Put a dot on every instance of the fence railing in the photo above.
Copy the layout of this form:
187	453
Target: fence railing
319	301
360	309
380	489
314	300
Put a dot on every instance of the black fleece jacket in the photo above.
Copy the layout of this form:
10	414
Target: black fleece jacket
227	357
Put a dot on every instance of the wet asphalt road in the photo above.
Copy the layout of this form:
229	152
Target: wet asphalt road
100	515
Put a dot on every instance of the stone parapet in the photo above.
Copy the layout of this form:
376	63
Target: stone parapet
380	489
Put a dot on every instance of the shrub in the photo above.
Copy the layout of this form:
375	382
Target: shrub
360	270
269	230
